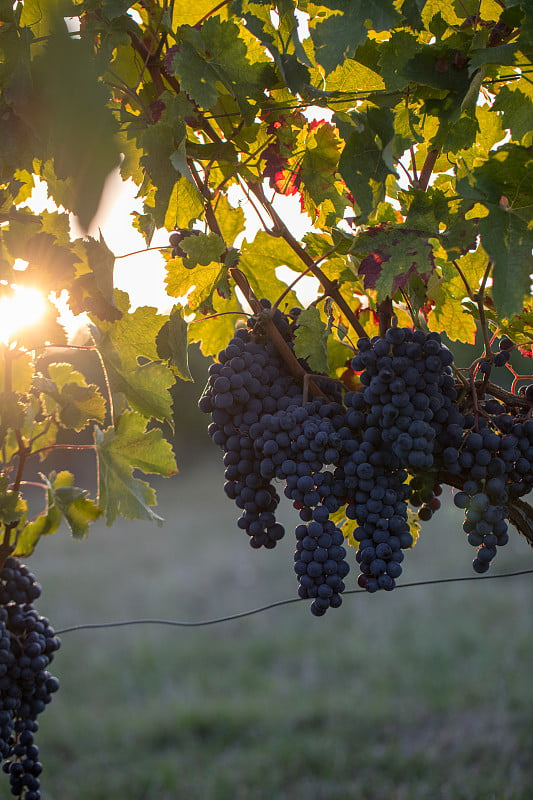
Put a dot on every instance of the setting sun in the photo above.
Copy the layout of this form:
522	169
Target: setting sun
21	308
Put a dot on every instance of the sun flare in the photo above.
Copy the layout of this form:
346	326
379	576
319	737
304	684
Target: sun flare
20	308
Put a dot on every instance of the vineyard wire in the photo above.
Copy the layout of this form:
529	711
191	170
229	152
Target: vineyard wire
276	604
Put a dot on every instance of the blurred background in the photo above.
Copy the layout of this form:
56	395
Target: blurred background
422	693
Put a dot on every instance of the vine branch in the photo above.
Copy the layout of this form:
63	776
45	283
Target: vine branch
330	287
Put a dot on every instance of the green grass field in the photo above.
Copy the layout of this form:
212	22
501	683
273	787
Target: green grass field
420	694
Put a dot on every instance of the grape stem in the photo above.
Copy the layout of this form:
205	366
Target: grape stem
384	312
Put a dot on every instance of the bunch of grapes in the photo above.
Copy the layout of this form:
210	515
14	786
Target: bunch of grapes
367	455
27	647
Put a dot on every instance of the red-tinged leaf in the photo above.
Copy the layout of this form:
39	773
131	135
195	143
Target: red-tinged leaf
397	254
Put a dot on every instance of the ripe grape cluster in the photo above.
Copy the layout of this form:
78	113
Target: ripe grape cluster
364	457
27	647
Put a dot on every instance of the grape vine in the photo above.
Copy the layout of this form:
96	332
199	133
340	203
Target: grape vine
401	138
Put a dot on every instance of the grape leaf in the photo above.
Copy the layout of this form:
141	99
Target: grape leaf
505	177
196	285
310	340
338	36
352	76
395	255
259	260
71	108
517	111
214	334
101	262
159	143
76	403
366	160
121	449
73	503
215	59
128	348
394	55
186	13
184	205
319	164
509	242
449	314
12	506
202	249
172	343
43	525
16	371
230	219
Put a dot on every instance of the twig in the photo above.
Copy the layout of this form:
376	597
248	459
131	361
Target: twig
479	299
206	194
330	287
468	288
427	169
413	165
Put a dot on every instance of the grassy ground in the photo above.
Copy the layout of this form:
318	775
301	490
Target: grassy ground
422	693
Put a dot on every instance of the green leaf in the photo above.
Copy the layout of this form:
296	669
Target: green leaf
101	262
319	165
504	54
509	242
352	76
396	254
259	261
338	36
214	333
436	67
44	525
505	177
159	143
446	11
172	344
202	249
121	449
216	60
447	290
196	285
366	160
517	111
73	503
72	112
77	403
20	368
183	206
12	506
128	348
394	55
231	220
186	13
310	340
